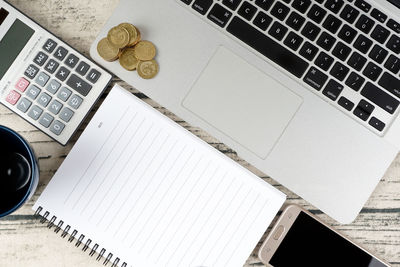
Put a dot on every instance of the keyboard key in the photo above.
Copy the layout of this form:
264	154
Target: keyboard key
44	100
393	64
310	31
345	103
33	92
378	15
31	71
293	41
201	6
347	34
357	61
309	51
75	102
219	15
187	2
326	41
51	66
355	81
35	112
24	104
394	44
295	21
233	4
372	71
82	68
301	5
247	10
341	51
349	14
71	61
378	54
377	124
380	34
42	79
362	44
57	127
13	97
280	11
79	85
315	78
49	46
40	58
332	23
324	61
364	6
268	47
264	4
334	5
93	76
362	114
394	25
46	120
53	86
380	98
316	13
277	31
390	83
262	20
60	53
339	71
64	94
364	105
22	84
66	114
365	24
55	107
62	74
332	90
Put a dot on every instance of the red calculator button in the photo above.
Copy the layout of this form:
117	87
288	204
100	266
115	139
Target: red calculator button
22	84
13	97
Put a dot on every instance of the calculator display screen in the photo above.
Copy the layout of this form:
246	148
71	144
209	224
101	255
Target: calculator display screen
12	44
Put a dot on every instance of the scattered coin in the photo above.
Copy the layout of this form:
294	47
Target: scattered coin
145	51
107	51
128	60
118	37
147	69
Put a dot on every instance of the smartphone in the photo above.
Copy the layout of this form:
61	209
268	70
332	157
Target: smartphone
301	239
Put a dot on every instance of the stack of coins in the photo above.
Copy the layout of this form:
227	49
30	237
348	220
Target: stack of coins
124	42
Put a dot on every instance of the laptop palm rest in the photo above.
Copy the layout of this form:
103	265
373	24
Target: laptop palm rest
242	102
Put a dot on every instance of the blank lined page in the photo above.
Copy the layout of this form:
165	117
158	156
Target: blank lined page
153	194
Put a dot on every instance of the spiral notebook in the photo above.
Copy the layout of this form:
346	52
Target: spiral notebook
141	190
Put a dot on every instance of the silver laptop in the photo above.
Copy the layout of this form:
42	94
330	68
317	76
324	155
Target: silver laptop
306	91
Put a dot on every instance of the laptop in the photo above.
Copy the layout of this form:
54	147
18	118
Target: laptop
306	91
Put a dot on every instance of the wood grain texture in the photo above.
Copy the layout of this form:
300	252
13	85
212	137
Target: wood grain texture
26	242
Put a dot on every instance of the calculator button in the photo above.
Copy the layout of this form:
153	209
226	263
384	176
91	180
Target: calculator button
79	85
49	46
13	97
57	127
22	84
41	58
71	61
55	107
51	66
44	100
35	112
66	114
24	104
82	68
42	79
93	76
60	53
31	71
62	74
64	94
53	86
46	120
75	102
33	92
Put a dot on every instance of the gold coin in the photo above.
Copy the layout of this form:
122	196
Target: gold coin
128	60
147	69
145	51
118	37
107	51
134	35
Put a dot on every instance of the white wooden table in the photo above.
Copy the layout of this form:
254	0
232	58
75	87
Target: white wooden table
26	242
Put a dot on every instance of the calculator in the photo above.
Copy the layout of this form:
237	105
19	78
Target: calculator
43	79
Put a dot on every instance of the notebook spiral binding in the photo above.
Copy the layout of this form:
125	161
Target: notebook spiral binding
73	235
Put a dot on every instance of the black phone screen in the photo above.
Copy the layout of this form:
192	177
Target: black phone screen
309	243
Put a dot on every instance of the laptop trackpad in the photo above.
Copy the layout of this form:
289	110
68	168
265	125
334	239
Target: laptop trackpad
239	100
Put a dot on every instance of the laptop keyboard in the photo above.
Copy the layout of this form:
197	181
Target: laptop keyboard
344	50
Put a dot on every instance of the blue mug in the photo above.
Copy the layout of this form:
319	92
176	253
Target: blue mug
19	171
